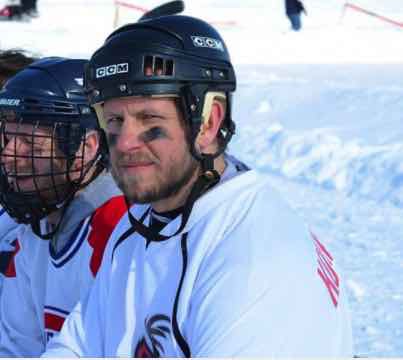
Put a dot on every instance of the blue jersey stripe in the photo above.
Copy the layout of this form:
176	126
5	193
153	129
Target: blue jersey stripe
77	245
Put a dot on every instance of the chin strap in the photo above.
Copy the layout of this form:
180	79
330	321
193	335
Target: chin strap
207	179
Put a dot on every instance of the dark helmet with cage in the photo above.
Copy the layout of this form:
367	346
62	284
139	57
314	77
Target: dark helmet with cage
171	55
46	103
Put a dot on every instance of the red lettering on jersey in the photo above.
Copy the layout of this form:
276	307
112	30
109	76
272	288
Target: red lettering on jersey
103	222
326	271
10	271
54	322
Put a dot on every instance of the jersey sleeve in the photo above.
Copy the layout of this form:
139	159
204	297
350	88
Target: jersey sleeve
259	293
103	222
82	329
20	322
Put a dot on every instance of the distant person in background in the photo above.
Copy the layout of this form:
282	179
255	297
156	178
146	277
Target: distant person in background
19	10
293	9
29	8
11	62
11	10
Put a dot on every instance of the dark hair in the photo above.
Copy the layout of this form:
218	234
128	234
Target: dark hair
12	61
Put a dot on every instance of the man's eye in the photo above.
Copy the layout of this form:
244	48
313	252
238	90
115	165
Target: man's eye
113	124
113	120
28	140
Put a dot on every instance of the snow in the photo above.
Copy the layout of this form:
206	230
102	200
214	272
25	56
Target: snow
321	111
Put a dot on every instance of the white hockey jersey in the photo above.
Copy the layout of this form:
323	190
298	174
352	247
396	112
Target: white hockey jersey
43	285
243	278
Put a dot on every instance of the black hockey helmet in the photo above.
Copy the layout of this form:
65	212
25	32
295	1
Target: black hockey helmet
169	55
47	94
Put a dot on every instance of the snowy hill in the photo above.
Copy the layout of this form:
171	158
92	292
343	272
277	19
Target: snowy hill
320	110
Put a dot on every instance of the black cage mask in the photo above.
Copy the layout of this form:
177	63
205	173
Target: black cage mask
41	166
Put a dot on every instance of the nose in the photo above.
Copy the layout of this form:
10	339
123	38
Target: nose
128	139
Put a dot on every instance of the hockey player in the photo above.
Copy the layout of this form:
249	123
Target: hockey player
11	61
213	263
53	181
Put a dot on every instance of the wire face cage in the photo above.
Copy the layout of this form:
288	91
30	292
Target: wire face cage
41	165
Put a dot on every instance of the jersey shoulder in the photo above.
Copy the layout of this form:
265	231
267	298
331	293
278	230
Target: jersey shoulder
109	214
103	221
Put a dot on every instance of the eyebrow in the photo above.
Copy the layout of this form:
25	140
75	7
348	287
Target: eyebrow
140	115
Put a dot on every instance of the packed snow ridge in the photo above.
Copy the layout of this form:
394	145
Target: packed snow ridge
316	157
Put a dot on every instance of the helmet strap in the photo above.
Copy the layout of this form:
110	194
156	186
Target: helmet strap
204	182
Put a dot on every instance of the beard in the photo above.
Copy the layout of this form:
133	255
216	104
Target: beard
166	183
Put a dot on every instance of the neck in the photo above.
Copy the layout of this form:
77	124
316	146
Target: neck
54	218
179	199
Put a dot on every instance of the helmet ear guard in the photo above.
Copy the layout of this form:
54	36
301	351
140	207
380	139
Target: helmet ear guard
197	106
208	103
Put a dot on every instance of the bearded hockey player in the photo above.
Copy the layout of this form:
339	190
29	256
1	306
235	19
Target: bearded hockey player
210	261
53	181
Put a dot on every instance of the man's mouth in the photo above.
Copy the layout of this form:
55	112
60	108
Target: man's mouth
18	180
136	164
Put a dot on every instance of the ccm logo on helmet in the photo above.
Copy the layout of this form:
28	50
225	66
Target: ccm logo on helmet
10	102
203	41
111	70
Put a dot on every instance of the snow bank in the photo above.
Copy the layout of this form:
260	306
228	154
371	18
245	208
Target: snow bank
323	159
339	127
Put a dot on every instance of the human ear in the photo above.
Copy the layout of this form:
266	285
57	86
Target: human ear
206	140
87	151
91	145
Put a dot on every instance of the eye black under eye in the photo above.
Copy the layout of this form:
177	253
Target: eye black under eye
153	134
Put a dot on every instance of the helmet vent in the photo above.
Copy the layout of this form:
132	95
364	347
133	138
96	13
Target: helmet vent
35	105
158	66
